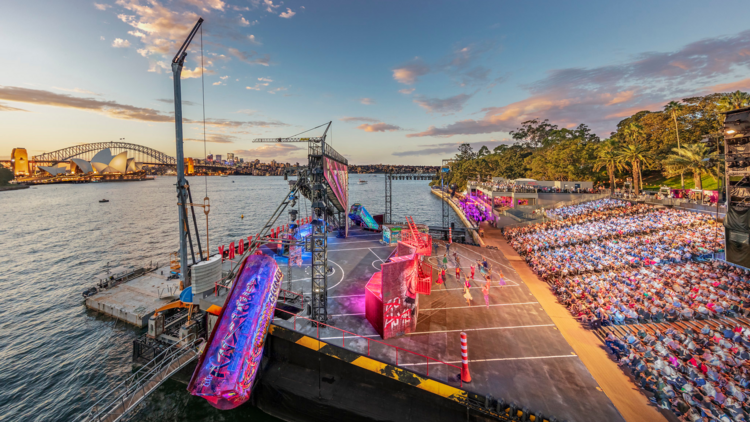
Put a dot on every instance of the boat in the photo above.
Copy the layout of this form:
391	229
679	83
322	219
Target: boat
362	182
230	361
103	200
224	175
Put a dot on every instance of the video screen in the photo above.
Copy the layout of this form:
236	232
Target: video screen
337	176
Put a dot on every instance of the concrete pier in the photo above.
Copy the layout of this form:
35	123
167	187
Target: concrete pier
136	300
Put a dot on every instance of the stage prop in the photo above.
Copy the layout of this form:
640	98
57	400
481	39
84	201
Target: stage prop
227	368
360	216
391	300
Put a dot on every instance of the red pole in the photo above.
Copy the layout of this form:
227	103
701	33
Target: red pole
465	375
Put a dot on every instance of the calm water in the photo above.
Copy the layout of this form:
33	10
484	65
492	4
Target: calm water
56	357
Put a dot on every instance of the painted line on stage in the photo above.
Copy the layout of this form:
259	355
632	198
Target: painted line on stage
481	329
353	241
350	338
358	249
332	297
493	360
480	306
373	252
347	314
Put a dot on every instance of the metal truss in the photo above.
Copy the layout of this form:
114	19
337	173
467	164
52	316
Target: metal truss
388	217
319	237
89	150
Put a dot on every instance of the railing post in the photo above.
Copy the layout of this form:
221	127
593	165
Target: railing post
428	367
397	356
368	347
343	339
295	322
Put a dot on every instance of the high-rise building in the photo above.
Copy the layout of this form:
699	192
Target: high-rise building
242	160
218	157
230	156
209	158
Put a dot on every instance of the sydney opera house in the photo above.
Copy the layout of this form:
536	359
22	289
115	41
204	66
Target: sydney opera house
102	163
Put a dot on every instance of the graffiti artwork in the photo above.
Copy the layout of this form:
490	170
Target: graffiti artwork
228	366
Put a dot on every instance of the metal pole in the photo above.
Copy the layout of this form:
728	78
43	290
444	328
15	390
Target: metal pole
181	182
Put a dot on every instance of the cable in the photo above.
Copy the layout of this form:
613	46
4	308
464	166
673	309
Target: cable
307	130
203	99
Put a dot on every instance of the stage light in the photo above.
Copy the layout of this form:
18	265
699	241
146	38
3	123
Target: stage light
731	131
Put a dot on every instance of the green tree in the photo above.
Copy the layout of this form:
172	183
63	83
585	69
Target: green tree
5	176
483	151
673	108
465	152
690	158
733	101
608	157
637	156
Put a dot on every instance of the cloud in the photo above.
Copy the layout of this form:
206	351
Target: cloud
224	123
4	107
449	148
378	127
171	101
601	96
288	14
249	57
275	90
410	72
108	108
78	90
101	37
258	86
215	138
224	78
359	119
270	6
265	79
120	43
367	101
741	85
196	73
252	39
102	7
445	105
216	83
269	151
247	111
406	91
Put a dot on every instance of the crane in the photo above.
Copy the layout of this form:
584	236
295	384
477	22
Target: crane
183	192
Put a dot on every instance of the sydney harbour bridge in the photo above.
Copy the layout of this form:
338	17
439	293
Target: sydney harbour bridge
141	154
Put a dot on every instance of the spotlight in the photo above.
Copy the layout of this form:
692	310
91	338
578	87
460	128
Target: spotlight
731	131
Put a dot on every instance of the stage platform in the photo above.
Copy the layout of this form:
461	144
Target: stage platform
515	351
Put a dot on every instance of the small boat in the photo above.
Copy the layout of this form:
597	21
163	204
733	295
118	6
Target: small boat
224	175
103	200
362	182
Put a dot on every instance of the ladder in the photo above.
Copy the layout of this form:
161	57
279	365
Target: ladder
415	235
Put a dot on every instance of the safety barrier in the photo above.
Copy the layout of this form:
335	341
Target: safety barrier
344	333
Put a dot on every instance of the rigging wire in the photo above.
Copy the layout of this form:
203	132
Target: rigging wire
307	130
203	100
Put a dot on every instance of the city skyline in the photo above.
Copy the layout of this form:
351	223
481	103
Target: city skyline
403	83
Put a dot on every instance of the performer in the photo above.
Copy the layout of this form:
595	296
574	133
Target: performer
445	261
467	296
472	272
486	292
458	273
443	276
502	279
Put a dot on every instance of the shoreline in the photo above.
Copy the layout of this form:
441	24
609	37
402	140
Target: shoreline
13	187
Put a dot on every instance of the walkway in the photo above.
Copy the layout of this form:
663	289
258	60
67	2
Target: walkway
625	395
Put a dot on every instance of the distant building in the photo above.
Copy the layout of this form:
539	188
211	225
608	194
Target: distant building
210	158
102	163
230	156
19	162
218	158
242	160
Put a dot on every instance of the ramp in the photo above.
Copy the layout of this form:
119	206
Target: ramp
362	217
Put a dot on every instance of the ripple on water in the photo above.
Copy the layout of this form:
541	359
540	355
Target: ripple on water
58	357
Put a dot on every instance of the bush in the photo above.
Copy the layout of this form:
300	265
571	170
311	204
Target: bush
5	176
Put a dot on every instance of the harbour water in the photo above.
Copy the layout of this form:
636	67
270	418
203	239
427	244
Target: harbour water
56	357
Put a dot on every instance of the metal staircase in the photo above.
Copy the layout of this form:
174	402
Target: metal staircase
123	398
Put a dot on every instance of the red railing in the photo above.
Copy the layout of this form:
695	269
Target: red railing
397	349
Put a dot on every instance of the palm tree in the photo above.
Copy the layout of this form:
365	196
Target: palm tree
691	158
608	157
733	101
637	156
633	132
673	108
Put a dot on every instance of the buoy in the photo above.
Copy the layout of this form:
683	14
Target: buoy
242	216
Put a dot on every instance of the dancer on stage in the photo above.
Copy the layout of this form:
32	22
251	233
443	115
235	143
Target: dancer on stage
486	292
467	296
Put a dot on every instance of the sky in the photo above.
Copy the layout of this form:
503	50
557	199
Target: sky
404	82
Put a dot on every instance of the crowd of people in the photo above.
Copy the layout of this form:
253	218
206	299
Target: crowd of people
523	187
613	263
634	220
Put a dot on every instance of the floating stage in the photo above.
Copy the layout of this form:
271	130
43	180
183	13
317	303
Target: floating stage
515	352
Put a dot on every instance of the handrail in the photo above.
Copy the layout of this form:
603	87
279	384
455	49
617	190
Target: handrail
137	381
343	337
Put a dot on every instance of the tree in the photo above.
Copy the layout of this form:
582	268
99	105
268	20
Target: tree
534	133
733	101
608	157
690	158
673	107
483	151
465	152
637	156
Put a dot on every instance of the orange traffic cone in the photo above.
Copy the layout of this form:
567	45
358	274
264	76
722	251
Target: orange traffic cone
465	375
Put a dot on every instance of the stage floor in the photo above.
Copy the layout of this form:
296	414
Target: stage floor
515	351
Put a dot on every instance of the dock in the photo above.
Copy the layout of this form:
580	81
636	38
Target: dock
134	301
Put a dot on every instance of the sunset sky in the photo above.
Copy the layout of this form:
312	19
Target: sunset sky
404	82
